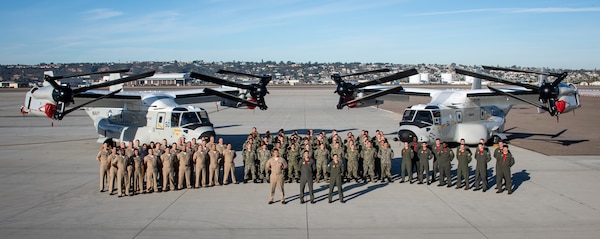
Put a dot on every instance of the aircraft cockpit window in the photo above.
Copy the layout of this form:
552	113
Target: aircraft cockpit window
175	119
203	117
424	116
189	118
437	114
408	116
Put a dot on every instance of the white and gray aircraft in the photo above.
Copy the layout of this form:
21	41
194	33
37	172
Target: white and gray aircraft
472	114
129	115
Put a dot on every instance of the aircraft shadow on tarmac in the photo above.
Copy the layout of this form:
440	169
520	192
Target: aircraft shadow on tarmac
565	142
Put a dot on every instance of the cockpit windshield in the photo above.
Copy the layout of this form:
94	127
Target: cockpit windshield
188	118
424	116
203	117
408	116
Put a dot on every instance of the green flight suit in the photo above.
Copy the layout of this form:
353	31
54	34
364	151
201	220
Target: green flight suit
503	172
482	157
407	157
464	158
445	156
424	156
336	171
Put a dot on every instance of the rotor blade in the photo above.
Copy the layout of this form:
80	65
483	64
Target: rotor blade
218	81
114	82
60	116
375	95
229	96
493	68
536	104
495	79
367	72
51	81
389	78
88	74
560	78
238	73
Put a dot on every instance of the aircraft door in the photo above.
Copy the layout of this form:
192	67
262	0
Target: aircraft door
160	121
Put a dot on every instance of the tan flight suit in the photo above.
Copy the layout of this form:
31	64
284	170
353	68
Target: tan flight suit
168	171
112	173
102	158
138	175
122	179
213	167
199	159
229	165
185	169
151	172
276	165
130	171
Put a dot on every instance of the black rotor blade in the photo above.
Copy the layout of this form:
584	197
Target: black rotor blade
375	95
493	68
219	81
87	74
115	82
66	112
536	104
229	96
367	72
52	82
495	79
559	79
389	78
239	73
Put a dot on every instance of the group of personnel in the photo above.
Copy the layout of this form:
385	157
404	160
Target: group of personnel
143	168
284	158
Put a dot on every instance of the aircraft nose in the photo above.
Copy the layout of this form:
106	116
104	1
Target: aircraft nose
406	135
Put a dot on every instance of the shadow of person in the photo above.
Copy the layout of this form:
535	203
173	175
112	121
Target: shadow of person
519	177
364	191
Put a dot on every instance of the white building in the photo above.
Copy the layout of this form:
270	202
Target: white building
447	78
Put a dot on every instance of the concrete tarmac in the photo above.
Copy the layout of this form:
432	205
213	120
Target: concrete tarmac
49	187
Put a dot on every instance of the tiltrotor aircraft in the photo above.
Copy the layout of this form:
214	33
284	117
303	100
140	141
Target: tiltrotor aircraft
129	115
472	114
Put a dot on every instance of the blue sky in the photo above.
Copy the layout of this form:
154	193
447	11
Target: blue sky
555	34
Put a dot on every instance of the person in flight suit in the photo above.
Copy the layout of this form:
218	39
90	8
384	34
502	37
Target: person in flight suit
168	169
336	170
386	154
213	166
293	155
424	156
352	155
185	167
112	175
138	168
229	165
122	179
368	155
322	156
436	167
482	156
407	158
445	156
249	156
263	155
129	154
276	165
103	159
307	166
463	155
151	162
415	160
506	161
498	155
199	159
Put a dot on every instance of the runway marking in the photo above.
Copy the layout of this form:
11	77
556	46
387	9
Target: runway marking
161	213
456	212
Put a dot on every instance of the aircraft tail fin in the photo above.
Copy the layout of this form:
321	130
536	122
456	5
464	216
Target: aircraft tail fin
115	76
476	84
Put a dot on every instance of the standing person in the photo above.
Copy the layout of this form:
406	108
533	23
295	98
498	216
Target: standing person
249	156
498	156
112	175
307	166
415	160
407	157
276	165
199	159
213	166
263	155
424	156
168	170
122	180
368	156
436	167
385	155
482	156
322	156
506	161
138	168
151	162
185	168
336	170
103	159
293	155
463	155
228	164
445	156
352	155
